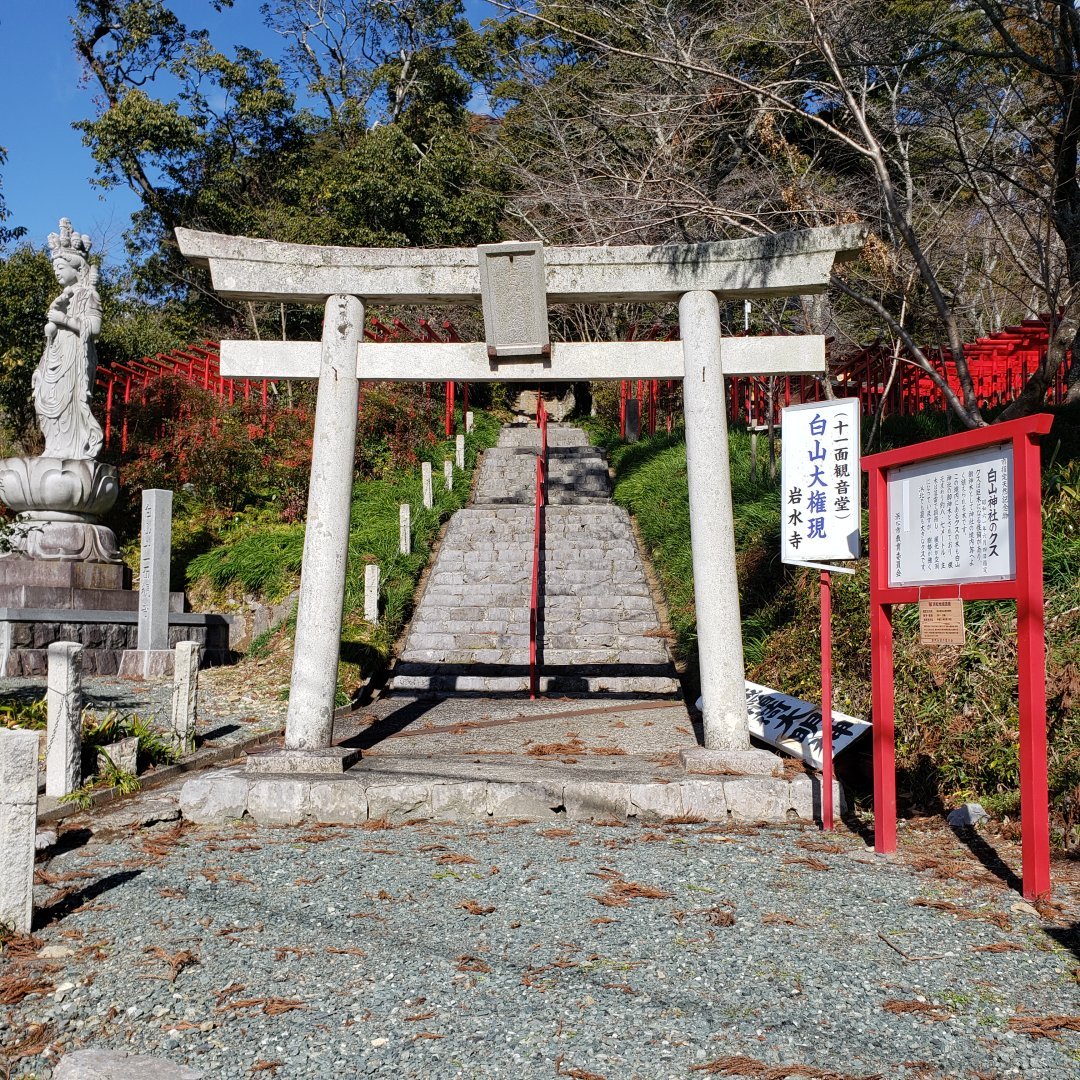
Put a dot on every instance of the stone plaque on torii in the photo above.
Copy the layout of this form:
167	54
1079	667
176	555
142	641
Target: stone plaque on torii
515	283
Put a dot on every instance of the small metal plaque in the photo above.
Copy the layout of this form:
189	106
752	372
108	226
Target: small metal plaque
941	622
513	292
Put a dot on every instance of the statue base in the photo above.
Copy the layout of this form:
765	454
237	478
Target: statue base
58	501
37	537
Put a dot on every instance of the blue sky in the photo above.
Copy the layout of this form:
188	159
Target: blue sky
48	171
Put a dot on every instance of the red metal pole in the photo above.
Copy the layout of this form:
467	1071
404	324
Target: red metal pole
826	702
449	409
1031	657
881	670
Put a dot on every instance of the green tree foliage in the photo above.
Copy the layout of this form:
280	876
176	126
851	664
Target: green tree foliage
7	233
27	287
219	142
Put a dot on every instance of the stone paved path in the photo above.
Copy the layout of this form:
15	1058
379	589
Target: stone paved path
599	630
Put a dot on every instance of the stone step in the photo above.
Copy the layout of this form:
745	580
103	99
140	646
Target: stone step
598	630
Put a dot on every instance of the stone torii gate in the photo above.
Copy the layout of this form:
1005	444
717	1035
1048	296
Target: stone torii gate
515	283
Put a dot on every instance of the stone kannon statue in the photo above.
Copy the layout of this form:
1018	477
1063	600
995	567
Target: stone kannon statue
59	495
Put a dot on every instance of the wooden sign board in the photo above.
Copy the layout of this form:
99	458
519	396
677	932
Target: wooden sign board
941	622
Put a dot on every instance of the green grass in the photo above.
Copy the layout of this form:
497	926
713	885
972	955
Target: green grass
263	558
956	708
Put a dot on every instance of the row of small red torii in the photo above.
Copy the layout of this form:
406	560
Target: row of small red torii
999	365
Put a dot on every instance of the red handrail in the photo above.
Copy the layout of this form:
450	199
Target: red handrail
538	534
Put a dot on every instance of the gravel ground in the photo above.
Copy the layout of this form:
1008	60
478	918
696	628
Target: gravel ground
524	950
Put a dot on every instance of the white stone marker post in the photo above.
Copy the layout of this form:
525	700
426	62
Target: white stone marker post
468	423
716	587
371	593
429	491
405	529
63	739
459	447
310	721
18	826
185	696
448	474
154	558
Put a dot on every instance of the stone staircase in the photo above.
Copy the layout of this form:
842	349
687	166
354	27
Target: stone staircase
598	629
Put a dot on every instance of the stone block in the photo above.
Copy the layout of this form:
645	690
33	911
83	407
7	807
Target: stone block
214	799
425	479
705	799
185	695
596	800
277	800
337	802
325	760
734	762
18	827
123	754
405	529
804	797
758	798
146	663
371	593
466	801
535	801
117	1065
651	802
399	802
63	751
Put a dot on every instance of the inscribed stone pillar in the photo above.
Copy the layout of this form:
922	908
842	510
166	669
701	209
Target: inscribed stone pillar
185	696
63	739
371	593
310	721
405	529
429	491
18	825
448	474
459	447
154	560
468	422
712	529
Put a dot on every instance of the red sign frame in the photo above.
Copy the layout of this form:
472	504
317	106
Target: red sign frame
1026	588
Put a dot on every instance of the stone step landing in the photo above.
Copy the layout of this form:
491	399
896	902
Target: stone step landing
383	794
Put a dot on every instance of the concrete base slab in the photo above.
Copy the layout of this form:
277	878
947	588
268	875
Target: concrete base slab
732	762
366	793
329	761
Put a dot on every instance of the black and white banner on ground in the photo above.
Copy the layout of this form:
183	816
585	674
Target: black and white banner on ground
794	726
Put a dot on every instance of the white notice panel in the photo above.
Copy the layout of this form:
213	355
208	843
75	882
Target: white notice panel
821	481
951	519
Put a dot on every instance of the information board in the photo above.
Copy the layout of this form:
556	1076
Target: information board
821	481
951	519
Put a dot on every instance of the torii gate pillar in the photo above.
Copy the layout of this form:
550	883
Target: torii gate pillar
716	588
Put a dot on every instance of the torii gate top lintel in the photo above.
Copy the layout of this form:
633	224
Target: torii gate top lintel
515	298
796	262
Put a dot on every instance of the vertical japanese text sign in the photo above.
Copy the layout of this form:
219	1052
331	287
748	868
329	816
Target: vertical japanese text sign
820	481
